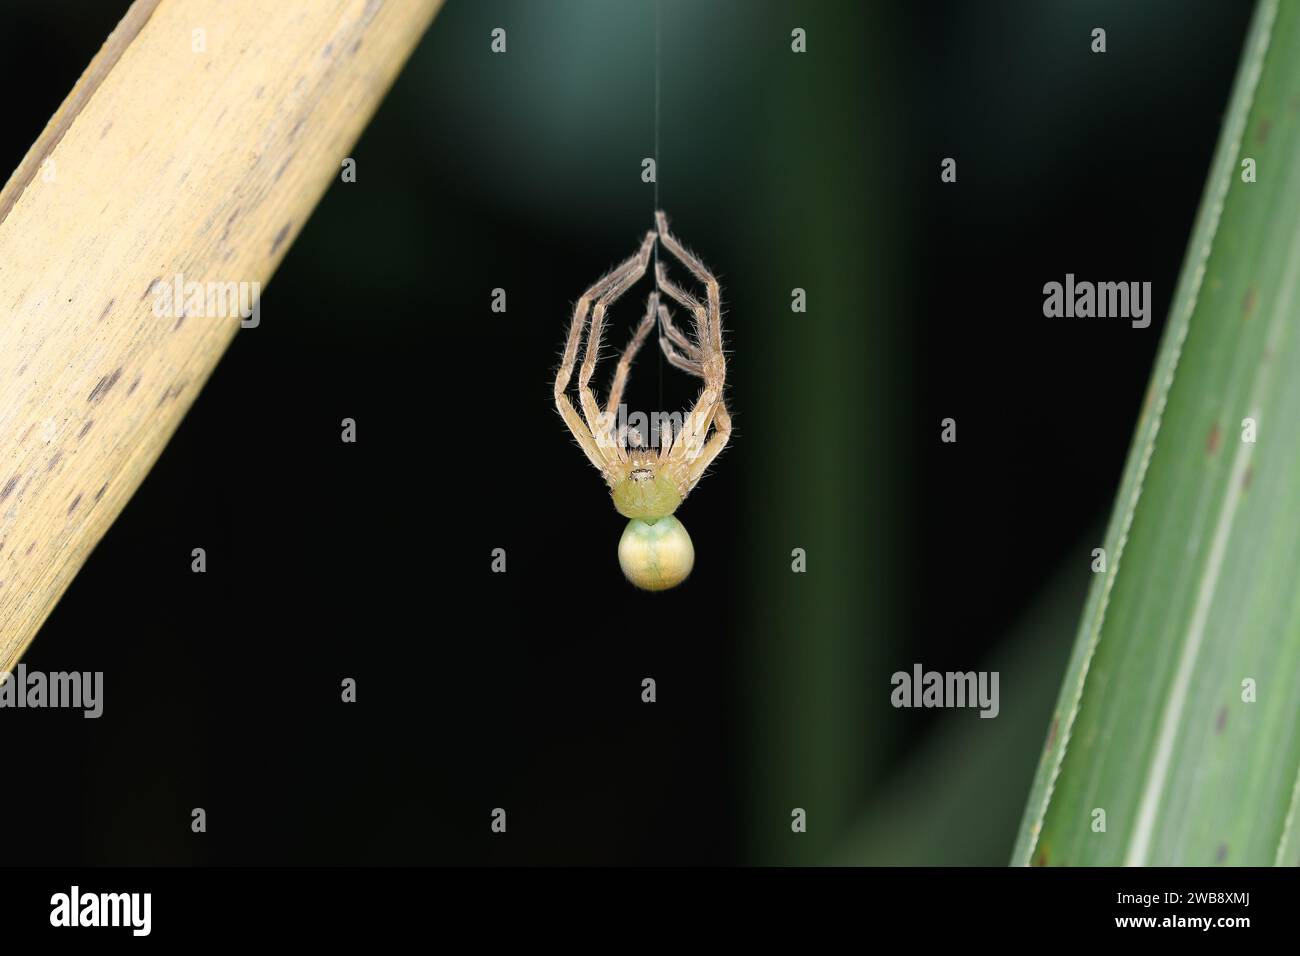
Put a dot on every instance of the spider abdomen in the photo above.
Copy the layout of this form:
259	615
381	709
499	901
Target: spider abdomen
657	554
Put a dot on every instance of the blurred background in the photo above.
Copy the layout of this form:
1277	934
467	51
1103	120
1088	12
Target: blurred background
522	690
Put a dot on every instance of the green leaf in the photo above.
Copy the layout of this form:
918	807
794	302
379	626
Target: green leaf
1199	597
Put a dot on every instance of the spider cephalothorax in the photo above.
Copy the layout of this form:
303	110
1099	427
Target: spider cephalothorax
646	491
648	484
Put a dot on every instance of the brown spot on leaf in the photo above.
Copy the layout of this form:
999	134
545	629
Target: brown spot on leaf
30	548
106	129
149	288
1264	126
1221	721
1246	477
134	385
169	393
9	487
54	460
1051	734
1221	853
85	428
1041	859
75	501
355	47
283	166
100	493
229	222
1214	439
104	385
1249	302
103	315
280	236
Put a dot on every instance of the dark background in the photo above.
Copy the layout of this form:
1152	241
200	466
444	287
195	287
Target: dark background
372	561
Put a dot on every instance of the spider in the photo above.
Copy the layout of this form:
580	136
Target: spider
648	485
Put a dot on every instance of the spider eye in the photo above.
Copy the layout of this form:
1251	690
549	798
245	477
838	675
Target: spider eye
656	555
641	474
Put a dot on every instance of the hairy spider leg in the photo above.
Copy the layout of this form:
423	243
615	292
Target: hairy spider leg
600	427
624	368
697	269
570	414
707	362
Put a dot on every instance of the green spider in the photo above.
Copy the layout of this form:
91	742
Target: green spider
647	484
